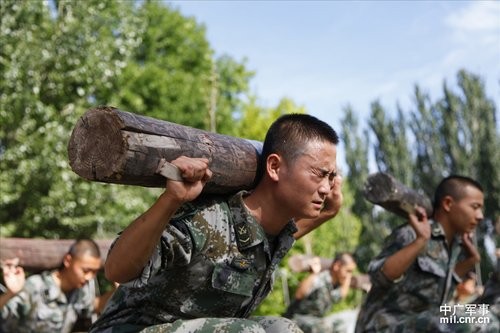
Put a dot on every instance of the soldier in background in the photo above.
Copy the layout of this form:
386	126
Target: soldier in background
53	301
318	292
415	275
195	263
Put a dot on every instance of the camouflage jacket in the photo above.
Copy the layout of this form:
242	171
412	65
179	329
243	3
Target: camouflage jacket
319	300
42	307
428	283
213	260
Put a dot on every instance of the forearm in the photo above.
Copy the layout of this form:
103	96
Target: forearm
398	263
305	286
331	208
100	301
5	297
134	247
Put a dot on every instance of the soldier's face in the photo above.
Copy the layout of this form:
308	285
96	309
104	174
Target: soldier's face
342	271
82	270
466	213
305	182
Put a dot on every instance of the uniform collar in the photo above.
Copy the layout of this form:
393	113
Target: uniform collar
248	231
438	231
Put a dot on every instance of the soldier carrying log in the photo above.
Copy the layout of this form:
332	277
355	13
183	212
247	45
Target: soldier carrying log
414	276
195	263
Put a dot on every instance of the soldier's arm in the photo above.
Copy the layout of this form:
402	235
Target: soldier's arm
398	263
132	250
100	301
331	207
345	286
14	278
472	259
305	286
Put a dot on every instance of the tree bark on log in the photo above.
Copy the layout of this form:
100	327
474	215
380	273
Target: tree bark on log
42	254
113	146
384	190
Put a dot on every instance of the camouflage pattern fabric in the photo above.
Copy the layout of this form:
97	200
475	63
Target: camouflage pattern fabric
309	311
412	302
212	261
42	307
216	325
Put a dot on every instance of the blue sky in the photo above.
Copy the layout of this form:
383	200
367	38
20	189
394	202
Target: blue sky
325	55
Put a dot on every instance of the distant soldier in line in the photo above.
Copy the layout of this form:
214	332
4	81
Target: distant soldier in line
51	302
319	291
415	275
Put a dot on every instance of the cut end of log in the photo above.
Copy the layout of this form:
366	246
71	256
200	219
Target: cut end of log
96	145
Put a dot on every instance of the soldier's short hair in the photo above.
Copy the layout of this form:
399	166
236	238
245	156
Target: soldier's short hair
288	135
343	258
83	247
453	186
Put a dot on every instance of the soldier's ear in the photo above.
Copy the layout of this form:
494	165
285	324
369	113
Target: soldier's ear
447	203
67	260
273	164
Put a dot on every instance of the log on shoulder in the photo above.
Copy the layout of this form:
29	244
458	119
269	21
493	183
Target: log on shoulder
42	254
384	190
113	146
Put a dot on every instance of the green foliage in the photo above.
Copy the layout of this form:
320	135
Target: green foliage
230	81
255	119
53	63
167	76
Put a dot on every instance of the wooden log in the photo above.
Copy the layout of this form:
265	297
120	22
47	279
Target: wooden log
42	254
302	262
384	190
113	146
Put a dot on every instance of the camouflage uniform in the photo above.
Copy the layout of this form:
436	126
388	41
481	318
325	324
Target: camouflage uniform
42	307
212	266
413	302
309	311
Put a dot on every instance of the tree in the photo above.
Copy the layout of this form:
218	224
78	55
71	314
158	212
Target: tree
167	76
356	154
231	84
60	58
54	61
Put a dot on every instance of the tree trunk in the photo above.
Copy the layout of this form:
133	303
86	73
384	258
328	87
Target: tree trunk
41	254
384	190
113	146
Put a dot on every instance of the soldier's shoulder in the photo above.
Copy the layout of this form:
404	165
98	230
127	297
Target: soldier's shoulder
203	202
